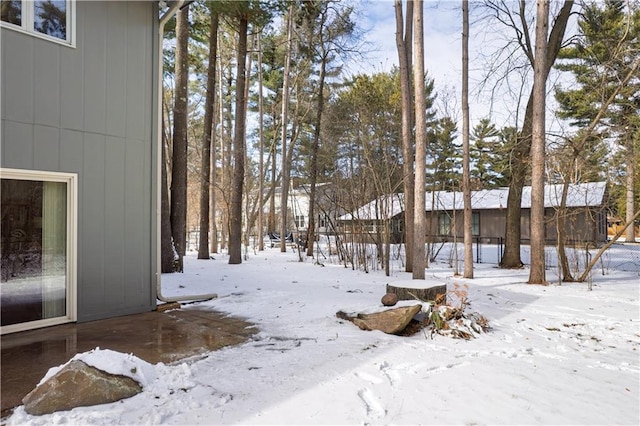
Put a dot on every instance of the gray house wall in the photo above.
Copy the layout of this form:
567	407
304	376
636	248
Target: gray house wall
581	224
89	110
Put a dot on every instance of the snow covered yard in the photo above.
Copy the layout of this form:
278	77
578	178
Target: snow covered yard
554	355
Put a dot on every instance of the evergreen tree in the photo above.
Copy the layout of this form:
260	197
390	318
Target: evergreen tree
486	150
444	169
604	55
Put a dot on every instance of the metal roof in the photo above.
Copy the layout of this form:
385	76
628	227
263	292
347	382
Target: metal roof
580	195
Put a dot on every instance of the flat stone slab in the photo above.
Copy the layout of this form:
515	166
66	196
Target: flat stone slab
391	321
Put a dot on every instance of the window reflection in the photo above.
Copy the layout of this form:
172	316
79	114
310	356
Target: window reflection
33	256
11	11
50	18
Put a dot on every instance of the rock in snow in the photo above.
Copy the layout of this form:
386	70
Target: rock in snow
391	321
77	385
389	299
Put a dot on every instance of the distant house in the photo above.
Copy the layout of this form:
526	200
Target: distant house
586	214
79	160
327	210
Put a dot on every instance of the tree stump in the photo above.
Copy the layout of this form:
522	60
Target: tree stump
437	294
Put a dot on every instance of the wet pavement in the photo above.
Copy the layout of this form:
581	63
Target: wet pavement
153	336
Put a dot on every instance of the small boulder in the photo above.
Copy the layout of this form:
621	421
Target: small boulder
389	299
78	385
392	321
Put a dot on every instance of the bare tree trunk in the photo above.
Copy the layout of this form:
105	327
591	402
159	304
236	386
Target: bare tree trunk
179	156
537	270
313	166
247	82
519	160
227	169
630	205
404	47
561	232
421	141
205	179
466	186
285	160
261	148
271	222
214	165
235	211
166	243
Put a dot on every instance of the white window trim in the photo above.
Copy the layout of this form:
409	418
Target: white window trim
71	179
28	22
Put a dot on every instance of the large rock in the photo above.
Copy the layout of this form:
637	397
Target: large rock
392	321
78	385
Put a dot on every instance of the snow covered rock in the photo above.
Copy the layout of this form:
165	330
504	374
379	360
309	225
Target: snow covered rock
391	321
77	385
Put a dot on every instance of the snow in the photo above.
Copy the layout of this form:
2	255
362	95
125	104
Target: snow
113	362
556	354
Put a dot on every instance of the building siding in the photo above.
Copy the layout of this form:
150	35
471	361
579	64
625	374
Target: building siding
89	109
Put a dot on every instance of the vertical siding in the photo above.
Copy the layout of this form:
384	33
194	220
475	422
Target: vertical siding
17	76
114	181
17	144
46	140
116	53
91	289
46	86
72	93
136	83
89	110
135	224
93	30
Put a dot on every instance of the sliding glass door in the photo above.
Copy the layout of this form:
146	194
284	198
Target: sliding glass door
37	285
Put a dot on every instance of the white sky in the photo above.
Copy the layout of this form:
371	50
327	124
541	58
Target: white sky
443	55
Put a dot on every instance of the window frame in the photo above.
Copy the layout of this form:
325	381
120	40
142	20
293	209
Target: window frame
475	224
71	290
444	220
300	221
28	23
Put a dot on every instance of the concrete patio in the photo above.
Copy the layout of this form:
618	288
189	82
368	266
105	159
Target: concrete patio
155	336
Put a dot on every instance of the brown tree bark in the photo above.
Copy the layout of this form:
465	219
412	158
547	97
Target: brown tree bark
205	170
421	141
520	154
404	36
537	269
260	149
237	186
630	195
166	241
284	195
179	152
466	181
315	147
